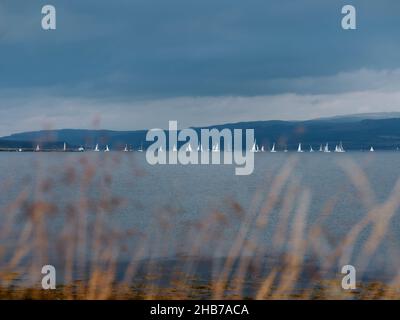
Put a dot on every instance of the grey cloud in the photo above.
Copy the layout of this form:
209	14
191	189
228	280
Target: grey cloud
142	48
139	63
41	110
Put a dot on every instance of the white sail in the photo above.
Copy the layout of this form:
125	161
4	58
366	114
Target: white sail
107	149
254	147
201	148
160	149
340	148
320	148
37	148
65	147
311	149
299	148
126	148
189	148
81	149
262	149
326	149
372	149
198	148
174	149
273	148
96	148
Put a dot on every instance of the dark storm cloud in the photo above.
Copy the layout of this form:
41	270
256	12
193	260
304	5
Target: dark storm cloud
135	64
145	48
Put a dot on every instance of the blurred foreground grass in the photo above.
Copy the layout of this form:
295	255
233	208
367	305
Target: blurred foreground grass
28	240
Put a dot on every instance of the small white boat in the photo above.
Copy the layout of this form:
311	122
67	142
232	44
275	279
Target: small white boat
254	147
189	148
320	148
311	149
174	149
372	149
299	148
262	149
273	148
81	149
37	148
126	148
65	147
339	148
19	150
96	148
107	149
160	149
326	149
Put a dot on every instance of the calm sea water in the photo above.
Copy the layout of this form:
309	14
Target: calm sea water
169	205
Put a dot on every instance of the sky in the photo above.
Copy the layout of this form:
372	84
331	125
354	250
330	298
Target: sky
135	64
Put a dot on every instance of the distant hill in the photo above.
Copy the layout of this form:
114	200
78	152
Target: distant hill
362	116
355	132
76	138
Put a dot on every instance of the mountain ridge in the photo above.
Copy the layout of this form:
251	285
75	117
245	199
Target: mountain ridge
354	131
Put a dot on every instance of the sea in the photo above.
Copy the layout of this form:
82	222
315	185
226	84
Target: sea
299	203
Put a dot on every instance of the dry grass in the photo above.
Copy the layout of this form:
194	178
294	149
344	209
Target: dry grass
29	240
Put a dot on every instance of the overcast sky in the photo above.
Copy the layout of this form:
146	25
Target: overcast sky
134	64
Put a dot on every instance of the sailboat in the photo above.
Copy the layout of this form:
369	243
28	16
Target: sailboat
174	149
65	147
262	149
311	149
326	149
339	148
37	148
107	149
160	149
320	148
96	148
141	148
215	148
126	148
189	148
81	149
273	148
286	150
201	148
372	149
299	148
254	147
198	148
